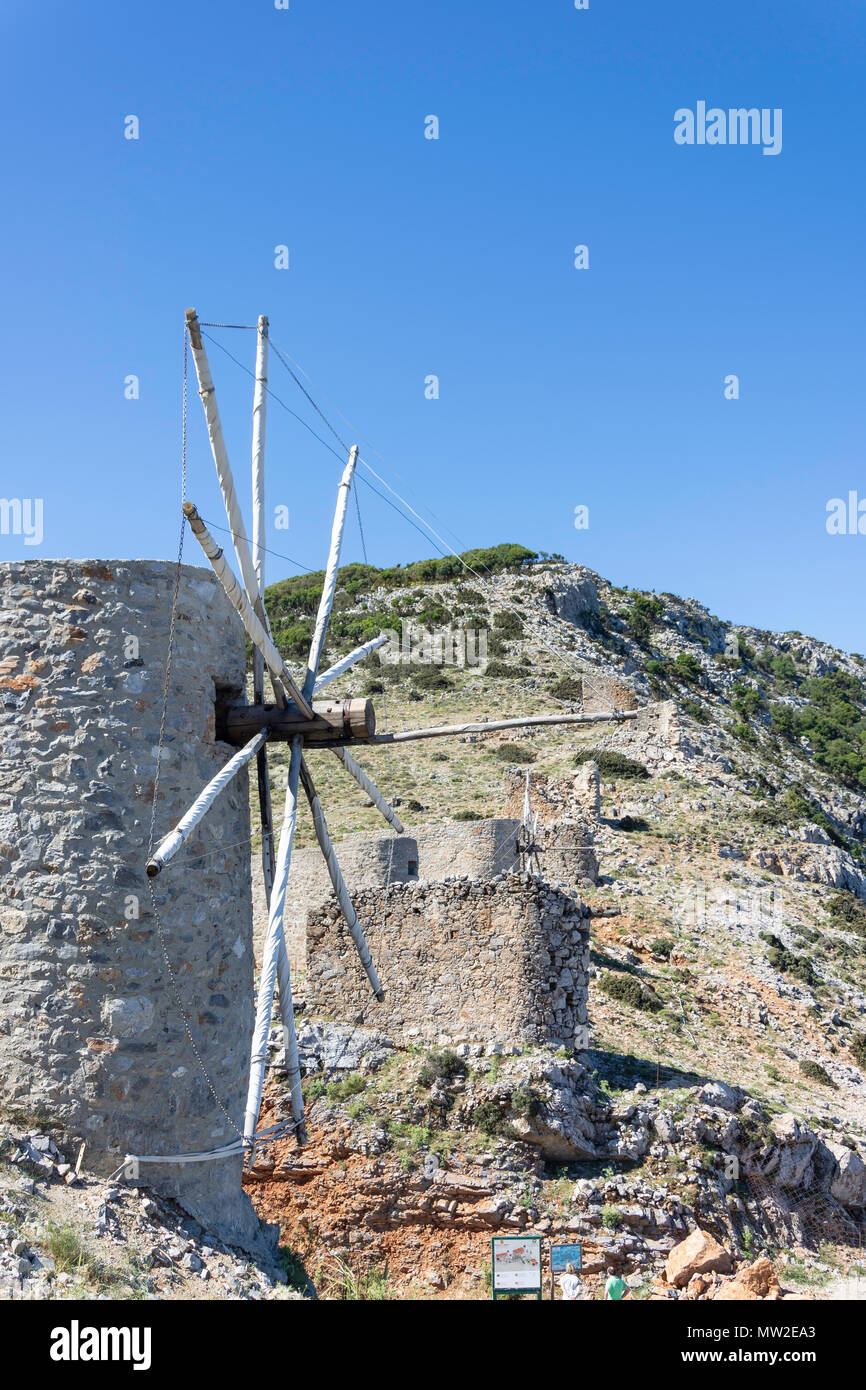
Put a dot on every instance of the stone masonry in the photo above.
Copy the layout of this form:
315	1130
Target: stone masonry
477	849
91	1037
504	960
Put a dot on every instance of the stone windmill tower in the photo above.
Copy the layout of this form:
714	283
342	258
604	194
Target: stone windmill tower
126	997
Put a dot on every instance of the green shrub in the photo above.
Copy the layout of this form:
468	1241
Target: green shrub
351	1085
567	688
687	668
746	700
487	1117
847	912
468	815
524	1102
500	670
787	963
643	616
627	989
858	1050
662	946
509	624
515	753
613	765
815	1072
440	1066
430	678
695	710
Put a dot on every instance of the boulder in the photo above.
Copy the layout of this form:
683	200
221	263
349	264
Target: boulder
791	1163
849	1182
716	1093
751	1283
699	1253
336	1047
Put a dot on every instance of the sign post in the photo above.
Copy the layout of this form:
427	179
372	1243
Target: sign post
516	1265
560	1257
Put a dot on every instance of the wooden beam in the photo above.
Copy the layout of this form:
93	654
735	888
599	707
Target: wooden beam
234	515
540	720
220	456
355	770
274	949
329	588
339	883
260	403
255	631
347	662
333	720
171	843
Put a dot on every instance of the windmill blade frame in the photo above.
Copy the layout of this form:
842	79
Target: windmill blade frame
339	883
274	949
369	786
241	603
172	842
329	587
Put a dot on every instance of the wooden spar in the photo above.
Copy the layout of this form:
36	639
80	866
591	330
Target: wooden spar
329	588
444	730
220	455
360	776
278	669
347	662
290	1039
339	883
169	846
333	721
233	511
275	945
260	400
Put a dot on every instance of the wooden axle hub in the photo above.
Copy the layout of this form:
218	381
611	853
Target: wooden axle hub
335	721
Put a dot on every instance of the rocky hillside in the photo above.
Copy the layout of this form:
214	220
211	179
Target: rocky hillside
728	998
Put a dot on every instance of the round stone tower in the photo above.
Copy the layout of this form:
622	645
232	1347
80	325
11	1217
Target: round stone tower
92	1037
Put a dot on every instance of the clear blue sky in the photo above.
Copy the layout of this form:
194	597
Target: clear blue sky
410	256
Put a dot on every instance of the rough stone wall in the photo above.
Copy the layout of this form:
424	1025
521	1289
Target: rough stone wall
478	849
367	861
552	798
603	693
566	854
91	1038
655	738
460	961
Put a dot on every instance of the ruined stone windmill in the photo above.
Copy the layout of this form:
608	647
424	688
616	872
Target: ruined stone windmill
294	716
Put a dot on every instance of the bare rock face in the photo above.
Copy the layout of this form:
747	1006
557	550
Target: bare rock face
751	1283
791	1163
849	1183
562	1126
572	597
718	1094
699	1253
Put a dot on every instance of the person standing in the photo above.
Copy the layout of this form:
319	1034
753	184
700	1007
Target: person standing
616	1289
570	1284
